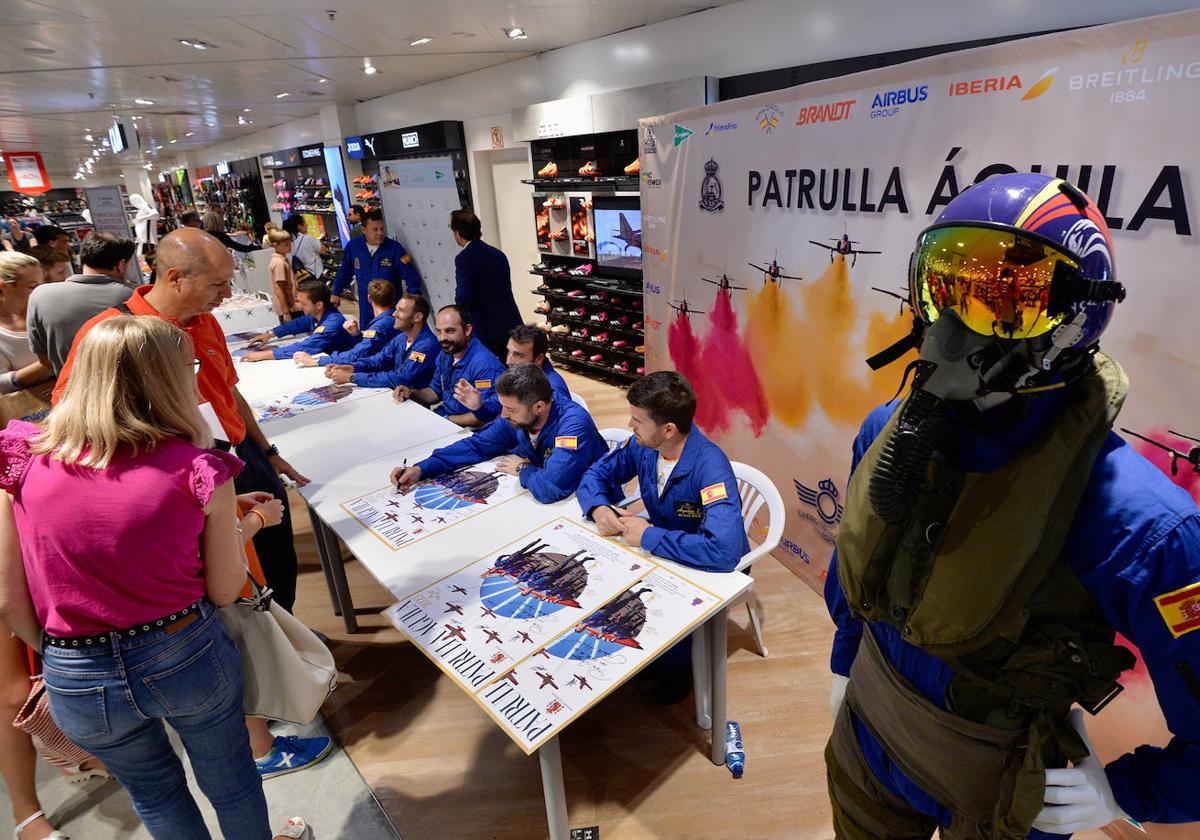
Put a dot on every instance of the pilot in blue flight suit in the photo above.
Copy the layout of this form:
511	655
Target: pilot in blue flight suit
389	262
549	442
462	358
526	345
996	535
377	334
324	324
687	483
408	359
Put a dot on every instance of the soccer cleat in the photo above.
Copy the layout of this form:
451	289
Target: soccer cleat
562	234
599	296
641	348
542	308
560	329
577	354
579	313
589	169
621	321
544	327
634	168
596	359
289	754
641	371
554	203
600	338
580	333
585	270
637	327
548	171
621	366
600	316
619	343
587	204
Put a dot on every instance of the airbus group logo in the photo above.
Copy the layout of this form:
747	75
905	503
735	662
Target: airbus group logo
768	118
887	103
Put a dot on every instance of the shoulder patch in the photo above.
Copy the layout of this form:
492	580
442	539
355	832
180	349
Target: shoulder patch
713	493
625	442
483	384
318	330
566	442
368	333
406	259
416	355
1180	609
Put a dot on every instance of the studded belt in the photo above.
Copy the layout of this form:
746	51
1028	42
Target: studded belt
188	614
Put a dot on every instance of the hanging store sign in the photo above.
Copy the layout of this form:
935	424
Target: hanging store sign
26	172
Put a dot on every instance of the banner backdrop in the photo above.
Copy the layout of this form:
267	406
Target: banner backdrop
777	363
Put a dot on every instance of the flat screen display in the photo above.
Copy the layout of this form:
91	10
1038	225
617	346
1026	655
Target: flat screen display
116	138
618	228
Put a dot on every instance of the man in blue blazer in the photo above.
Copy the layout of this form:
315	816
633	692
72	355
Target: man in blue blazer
484	287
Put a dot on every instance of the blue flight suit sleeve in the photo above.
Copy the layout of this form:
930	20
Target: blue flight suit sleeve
848	630
499	438
489	409
560	474
375	338
330	336
399	364
604	481
408	271
1160	784
720	542
346	270
297	326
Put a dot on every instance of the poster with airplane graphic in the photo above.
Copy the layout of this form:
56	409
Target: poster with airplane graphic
484	619
433	504
561	679
289	405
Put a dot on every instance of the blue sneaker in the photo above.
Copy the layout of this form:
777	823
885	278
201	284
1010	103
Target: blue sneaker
289	754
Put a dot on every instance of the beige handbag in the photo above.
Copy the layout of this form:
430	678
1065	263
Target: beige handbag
288	671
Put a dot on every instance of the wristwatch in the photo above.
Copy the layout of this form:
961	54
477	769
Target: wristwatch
522	466
271	451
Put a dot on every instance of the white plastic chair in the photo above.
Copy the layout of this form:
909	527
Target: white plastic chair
582	403
754	490
614	437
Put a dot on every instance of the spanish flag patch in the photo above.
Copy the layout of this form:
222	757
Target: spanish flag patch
567	442
318	330
1180	609
481	384
417	356
368	333
713	493
406	259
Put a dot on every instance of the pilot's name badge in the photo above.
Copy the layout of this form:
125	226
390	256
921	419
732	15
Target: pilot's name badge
386	262
689	510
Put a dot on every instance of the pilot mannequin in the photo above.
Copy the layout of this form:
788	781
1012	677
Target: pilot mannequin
145	223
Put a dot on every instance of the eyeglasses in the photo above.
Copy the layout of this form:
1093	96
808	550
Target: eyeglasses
196	367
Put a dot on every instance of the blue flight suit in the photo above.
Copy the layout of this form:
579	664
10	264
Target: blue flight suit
490	409
375	337
566	446
400	363
479	366
1135	536
698	519
328	336
484	288
390	262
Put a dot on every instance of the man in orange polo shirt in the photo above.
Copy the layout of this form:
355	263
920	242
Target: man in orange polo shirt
194	275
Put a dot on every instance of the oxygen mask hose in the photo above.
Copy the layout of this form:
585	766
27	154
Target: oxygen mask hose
900	472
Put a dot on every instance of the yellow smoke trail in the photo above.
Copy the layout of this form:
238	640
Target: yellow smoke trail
773	335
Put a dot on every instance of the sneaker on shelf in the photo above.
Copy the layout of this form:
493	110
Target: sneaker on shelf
621	366
600	316
587	204
598	296
589	169
586	268
641	371
637	327
634	168
579	313
290	753
596	359
576	293
576	354
600	338
544	288
620	321
580	333
542	308
641	348
544	327
560	329
550	170
619	343
562	234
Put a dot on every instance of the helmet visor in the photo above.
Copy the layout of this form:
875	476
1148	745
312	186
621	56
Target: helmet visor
996	280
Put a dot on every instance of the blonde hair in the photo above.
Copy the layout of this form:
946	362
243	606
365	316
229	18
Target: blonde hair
270	226
278	237
12	263
132	385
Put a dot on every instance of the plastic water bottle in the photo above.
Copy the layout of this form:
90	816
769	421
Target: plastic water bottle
735	753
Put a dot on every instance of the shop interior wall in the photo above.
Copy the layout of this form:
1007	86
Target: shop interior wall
515	223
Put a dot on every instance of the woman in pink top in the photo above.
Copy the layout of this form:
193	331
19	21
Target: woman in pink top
117	542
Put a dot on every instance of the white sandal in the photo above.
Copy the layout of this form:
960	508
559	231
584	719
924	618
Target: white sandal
294	829
76	775
36	815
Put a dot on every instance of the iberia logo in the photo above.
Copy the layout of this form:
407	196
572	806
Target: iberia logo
1134	54
1041	85
682	132
992	84
661	253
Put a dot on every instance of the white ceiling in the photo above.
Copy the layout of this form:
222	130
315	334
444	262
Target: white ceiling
69	66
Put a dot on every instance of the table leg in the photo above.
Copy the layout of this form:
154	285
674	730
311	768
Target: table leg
318	529
717	643
550	759
337	568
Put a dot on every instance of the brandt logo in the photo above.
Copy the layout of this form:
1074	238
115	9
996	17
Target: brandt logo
826	112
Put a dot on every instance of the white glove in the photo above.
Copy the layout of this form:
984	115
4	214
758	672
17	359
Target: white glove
1080	797
837	693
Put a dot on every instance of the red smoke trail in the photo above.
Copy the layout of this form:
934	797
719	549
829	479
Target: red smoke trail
1187	478
725	358
711	411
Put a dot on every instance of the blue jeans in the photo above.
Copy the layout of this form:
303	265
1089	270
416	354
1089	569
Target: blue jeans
113	699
